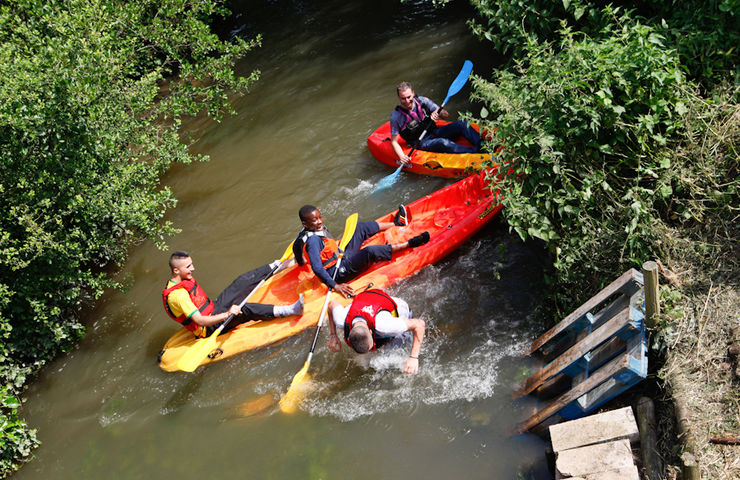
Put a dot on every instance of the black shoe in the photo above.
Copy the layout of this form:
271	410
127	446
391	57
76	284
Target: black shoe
419	240
402	218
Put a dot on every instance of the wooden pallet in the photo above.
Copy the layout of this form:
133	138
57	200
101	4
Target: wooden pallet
594	354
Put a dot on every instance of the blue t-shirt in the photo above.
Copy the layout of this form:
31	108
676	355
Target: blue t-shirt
398	120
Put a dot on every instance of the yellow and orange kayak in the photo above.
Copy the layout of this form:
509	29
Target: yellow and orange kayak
450	215
450	165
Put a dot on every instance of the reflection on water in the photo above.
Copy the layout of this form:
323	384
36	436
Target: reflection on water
107	410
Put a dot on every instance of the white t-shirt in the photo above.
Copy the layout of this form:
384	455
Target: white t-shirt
386	325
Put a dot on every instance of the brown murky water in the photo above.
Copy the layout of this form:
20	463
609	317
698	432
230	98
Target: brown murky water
106	410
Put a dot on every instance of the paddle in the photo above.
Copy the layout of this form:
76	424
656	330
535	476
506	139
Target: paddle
196	354
290	401
388	180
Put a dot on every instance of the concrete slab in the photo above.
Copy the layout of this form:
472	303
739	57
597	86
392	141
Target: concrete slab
600	428
594	459
624	474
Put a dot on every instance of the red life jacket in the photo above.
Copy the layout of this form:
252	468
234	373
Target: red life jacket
204	304
329	254
367	305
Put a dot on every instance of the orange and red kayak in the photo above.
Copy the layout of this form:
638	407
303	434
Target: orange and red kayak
450	165
450	215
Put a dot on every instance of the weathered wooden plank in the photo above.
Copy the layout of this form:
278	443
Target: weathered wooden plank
605	352
652	296
620	284
651	459
552	386
601	375
636	351
573	354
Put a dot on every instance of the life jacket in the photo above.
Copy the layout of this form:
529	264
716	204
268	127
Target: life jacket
329	254
204	304
416	121
367	305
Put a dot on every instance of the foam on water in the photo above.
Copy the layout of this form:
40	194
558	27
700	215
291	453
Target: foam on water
466	345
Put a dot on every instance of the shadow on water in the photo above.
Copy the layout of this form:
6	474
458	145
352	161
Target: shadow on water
184	394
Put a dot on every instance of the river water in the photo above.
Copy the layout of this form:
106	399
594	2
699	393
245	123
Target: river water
329	72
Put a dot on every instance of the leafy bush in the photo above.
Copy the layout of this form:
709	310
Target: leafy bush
705	33
509	24
88	124
16	441
588	128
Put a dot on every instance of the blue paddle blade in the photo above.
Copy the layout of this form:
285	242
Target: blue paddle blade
387	181
460	81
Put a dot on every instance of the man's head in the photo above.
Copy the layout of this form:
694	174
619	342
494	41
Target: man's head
405	95
311	218
360	338
181	265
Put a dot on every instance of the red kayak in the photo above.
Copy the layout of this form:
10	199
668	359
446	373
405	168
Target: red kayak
451	165
450	215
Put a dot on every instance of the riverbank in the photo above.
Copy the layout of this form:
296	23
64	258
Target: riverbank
703	381
700	376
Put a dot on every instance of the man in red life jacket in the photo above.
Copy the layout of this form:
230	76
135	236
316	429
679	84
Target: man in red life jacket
316	246
372	320
187	303
415	114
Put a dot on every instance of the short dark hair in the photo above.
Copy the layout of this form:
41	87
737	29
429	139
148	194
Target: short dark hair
305	211
177	255
403	86
359	340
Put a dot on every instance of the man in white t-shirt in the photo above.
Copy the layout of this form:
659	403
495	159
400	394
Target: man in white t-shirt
371	320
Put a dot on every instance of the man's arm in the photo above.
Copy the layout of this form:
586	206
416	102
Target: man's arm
206	320
396	124
436	112
402	157
334	344
387	325
180	304
314	245
440	114
418	327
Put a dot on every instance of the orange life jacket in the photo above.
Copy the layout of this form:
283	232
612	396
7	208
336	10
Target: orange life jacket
329	254
201	301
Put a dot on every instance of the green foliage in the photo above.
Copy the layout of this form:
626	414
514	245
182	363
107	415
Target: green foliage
508	24
586	127
705	33
91	102
16	441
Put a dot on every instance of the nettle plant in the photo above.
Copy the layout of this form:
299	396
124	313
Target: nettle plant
587	126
